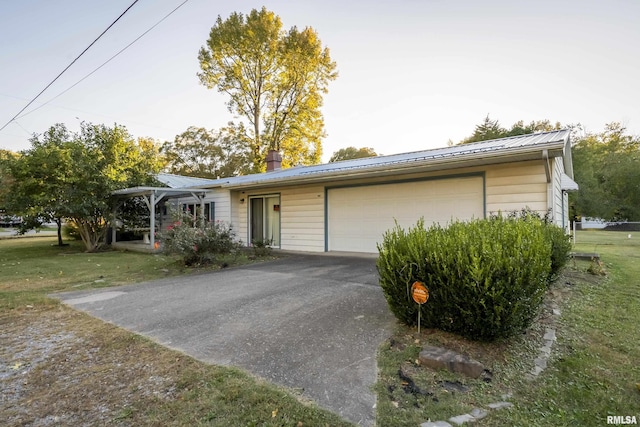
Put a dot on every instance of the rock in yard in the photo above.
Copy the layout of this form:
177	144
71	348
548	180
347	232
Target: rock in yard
435	424
500	405
461	419
441	358
478	413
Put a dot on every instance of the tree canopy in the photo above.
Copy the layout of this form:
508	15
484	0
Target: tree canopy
491	129
6	179
209	154
275	79
350	153
71	176
607	168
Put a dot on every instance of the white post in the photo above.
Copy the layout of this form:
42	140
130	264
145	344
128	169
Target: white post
204	220
152	221
574	232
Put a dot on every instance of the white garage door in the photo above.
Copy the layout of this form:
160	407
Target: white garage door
358	216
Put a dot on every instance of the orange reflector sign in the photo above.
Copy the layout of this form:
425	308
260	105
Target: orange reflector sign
419	292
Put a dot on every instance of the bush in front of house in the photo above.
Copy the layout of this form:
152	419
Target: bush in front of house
198	242
560	249
486	278
560	241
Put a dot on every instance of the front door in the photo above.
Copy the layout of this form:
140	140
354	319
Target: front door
265	219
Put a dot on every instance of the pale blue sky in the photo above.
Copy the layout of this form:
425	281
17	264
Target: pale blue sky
413	74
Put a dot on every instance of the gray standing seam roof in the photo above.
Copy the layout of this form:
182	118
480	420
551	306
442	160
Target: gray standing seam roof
179	181
534	141
504	145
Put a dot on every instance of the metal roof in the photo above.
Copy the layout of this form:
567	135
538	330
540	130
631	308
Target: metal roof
179	181
521	144
568	184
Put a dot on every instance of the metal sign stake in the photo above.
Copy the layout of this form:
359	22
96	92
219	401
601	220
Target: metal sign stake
420	295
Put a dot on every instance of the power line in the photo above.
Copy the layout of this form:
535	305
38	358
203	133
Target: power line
69	66
103	64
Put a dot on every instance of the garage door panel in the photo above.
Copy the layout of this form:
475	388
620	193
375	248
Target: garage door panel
358	216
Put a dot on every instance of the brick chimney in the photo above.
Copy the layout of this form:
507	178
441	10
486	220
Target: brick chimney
274	160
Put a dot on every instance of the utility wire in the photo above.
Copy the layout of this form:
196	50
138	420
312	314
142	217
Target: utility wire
103	64
69	66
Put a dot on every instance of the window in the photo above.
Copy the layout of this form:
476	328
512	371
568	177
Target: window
194	209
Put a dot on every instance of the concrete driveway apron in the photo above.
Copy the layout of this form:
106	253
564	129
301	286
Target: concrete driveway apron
312	323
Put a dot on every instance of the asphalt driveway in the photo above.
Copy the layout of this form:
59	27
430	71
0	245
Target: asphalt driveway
312	323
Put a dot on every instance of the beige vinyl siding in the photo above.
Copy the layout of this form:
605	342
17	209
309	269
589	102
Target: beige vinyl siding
508	187
222	204
238	211
515	186
301	216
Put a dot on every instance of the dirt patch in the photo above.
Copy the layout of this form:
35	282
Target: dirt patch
58	367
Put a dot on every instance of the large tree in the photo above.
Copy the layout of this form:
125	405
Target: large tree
275	79
209	154
350	153
71	176
607	167
37	192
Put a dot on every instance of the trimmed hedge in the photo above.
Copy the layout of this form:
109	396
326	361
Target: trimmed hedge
486	278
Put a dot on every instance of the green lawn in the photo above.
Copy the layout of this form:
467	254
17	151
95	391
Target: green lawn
595	371
30	268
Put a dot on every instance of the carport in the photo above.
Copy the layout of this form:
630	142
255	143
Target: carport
153	197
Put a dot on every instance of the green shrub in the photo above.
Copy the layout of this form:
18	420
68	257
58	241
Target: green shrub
560	249
486	278
261	247
560	241
198	243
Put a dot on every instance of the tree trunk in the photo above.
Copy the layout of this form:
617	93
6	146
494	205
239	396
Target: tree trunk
59	223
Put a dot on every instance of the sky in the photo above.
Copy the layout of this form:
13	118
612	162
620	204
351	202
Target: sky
412	74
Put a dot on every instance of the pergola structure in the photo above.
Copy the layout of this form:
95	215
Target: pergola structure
152	196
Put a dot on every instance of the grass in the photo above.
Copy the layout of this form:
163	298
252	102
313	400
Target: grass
63	367
101	374
593	371
31	268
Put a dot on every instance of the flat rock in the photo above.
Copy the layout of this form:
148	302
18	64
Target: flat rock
478	413
500	405
541	362
441	358
435	424
537	370
461	419
550	334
